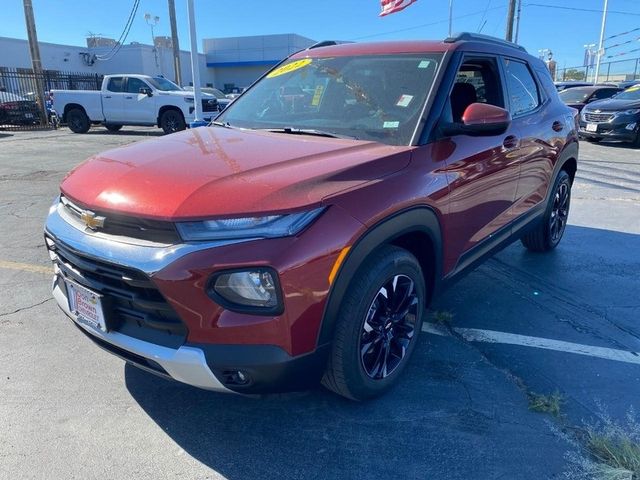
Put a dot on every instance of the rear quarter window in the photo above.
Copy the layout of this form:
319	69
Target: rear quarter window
524	96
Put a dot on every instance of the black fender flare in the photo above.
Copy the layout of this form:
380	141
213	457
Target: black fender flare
569	153
421	219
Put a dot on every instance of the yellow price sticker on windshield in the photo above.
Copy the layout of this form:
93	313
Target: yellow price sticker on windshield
317	96
633	89
289	67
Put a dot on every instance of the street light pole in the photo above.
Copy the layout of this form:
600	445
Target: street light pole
152	22
601	42
198	121
450	17
518	14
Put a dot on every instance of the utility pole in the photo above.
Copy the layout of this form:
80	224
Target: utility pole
601	43
198	121
518	14
174	42
511	13
450	17
36	63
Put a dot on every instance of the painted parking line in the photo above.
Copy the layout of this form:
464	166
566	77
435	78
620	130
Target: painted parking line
492	336
25	267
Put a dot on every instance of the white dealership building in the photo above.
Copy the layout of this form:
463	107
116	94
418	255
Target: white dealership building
226	62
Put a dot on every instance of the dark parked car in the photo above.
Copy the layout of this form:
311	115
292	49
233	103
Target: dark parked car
580	96
18	110
221	98
290	243
560	86
617	118
628	83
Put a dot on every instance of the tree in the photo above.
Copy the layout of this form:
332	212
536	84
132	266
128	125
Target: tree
573	74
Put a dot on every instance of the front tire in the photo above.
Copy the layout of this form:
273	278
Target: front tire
172	121
547	235
378	325
78	121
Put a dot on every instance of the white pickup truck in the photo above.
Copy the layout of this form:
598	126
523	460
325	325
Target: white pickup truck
131	100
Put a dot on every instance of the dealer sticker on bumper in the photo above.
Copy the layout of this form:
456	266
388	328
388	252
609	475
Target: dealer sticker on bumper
86	306
592	127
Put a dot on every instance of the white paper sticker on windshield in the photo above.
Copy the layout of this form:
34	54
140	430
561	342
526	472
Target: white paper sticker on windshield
391	125
424	64
404	100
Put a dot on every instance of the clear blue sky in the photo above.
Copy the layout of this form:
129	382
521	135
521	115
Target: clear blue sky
563	31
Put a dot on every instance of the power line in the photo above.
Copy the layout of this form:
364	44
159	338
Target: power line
472	14
576	9
123	36
622	34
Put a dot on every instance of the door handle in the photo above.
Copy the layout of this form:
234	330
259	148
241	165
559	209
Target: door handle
510	142
557	126
128	98
108	96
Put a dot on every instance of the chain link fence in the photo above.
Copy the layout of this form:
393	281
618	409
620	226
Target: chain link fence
25	100
615	71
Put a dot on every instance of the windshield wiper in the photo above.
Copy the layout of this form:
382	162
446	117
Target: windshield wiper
307	131
222	124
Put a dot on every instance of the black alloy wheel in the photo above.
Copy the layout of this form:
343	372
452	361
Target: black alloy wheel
389	327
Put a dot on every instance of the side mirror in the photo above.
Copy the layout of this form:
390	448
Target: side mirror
146	91
481	119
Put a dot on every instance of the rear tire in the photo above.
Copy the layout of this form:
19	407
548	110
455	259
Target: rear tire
77	121
113	128
378	325
172	121
547	234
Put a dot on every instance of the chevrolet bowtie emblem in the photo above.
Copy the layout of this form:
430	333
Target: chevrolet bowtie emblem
91	220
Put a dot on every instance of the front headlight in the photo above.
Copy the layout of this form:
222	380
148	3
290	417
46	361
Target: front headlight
633	111
272	226
250	290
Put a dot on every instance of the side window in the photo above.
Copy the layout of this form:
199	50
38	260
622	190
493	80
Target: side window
523	90
477	81
605	93
135	84
115	84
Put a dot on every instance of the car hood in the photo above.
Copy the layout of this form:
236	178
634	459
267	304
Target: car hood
611	104
217	172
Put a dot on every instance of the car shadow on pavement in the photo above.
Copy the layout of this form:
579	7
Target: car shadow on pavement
452	416
130	133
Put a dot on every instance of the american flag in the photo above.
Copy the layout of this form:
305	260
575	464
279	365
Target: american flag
393	6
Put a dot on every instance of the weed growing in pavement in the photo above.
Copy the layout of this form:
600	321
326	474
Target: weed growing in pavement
546	403
442	317
613	450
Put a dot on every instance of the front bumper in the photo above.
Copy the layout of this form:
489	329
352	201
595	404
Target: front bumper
618	129
276	353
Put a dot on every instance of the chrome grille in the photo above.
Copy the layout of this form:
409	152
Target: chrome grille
132	304
598	117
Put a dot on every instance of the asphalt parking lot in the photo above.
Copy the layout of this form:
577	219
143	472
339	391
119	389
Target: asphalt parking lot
568	322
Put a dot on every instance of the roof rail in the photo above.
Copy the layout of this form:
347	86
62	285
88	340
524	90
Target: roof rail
323	43
478	37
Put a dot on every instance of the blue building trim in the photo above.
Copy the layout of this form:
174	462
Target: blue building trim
255	63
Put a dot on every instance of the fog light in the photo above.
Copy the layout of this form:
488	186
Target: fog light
631	126
248	290
235	377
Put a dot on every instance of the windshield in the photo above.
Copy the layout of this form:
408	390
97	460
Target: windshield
575	95
163	84
632	93
372	97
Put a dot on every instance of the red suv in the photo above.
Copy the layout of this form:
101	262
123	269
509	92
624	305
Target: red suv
299	240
